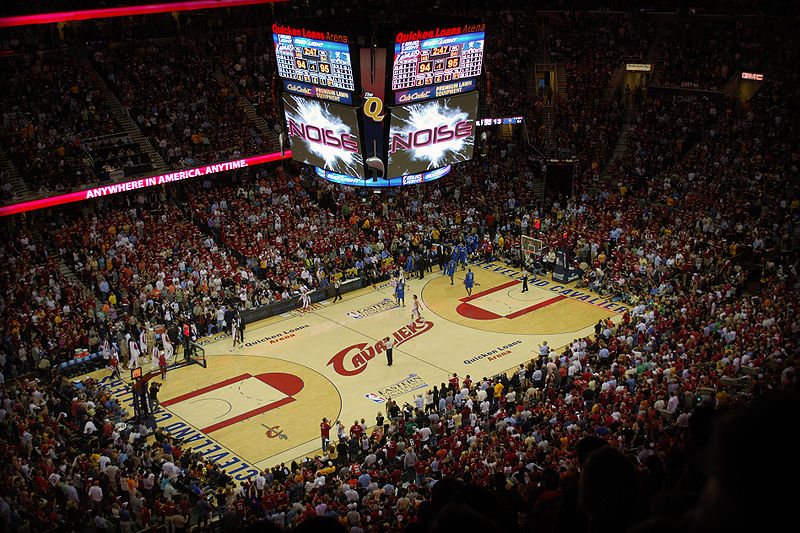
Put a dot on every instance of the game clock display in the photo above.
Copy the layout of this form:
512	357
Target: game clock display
322	63
437	60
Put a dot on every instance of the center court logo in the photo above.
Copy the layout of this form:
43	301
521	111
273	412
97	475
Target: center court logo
352	360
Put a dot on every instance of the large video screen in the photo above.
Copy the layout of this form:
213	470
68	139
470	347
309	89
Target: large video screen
426	62
324	134
314	61
432	134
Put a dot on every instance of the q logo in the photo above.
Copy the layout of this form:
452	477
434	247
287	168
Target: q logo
373	107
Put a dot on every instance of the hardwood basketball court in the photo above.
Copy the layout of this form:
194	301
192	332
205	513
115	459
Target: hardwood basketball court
262	403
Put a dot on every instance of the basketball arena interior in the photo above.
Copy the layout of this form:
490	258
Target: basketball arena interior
419	266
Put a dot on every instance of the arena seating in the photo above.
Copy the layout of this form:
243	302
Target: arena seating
694	225
191	116
52	102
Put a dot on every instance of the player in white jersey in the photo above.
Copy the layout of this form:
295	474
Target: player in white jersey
133	348
234	333
393	284
106	350
416	308
305	297
143	344
154	354
168	350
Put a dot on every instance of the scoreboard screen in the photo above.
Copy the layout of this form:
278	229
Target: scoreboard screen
324	134
425	62
429	135
314	61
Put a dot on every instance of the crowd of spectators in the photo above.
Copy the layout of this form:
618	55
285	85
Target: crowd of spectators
51	102
149	267
43	312
587	124
116	153
247	59
189	115
710	64
694	226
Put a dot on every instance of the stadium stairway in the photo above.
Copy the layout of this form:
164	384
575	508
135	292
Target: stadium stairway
622	141
75	367
614	81
13	176
561	78
538	188
63	268
123	118
547	119
267	133
530	86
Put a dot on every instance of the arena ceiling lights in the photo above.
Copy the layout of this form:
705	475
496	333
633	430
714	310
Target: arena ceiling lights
65	16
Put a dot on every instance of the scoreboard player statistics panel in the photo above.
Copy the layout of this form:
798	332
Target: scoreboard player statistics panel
323	63
324	134
432	134
437	60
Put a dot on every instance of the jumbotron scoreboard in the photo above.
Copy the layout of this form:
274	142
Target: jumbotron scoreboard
424	62
314	61
380	113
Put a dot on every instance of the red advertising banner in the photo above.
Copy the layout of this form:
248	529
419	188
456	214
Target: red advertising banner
141	183
65	16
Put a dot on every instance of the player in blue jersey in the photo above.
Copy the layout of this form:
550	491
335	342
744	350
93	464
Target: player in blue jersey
469	281
410	266
462	255
400	291
450	270
472	243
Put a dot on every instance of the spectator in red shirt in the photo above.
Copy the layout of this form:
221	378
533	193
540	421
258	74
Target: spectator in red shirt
356	430
325	433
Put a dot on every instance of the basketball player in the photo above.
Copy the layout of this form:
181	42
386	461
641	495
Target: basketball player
304	297
106	350
143	344
450	270
162	364
133	348
114	362
235	332
167	344
155	356
416	308
462	255
469	281
393	284
400	291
